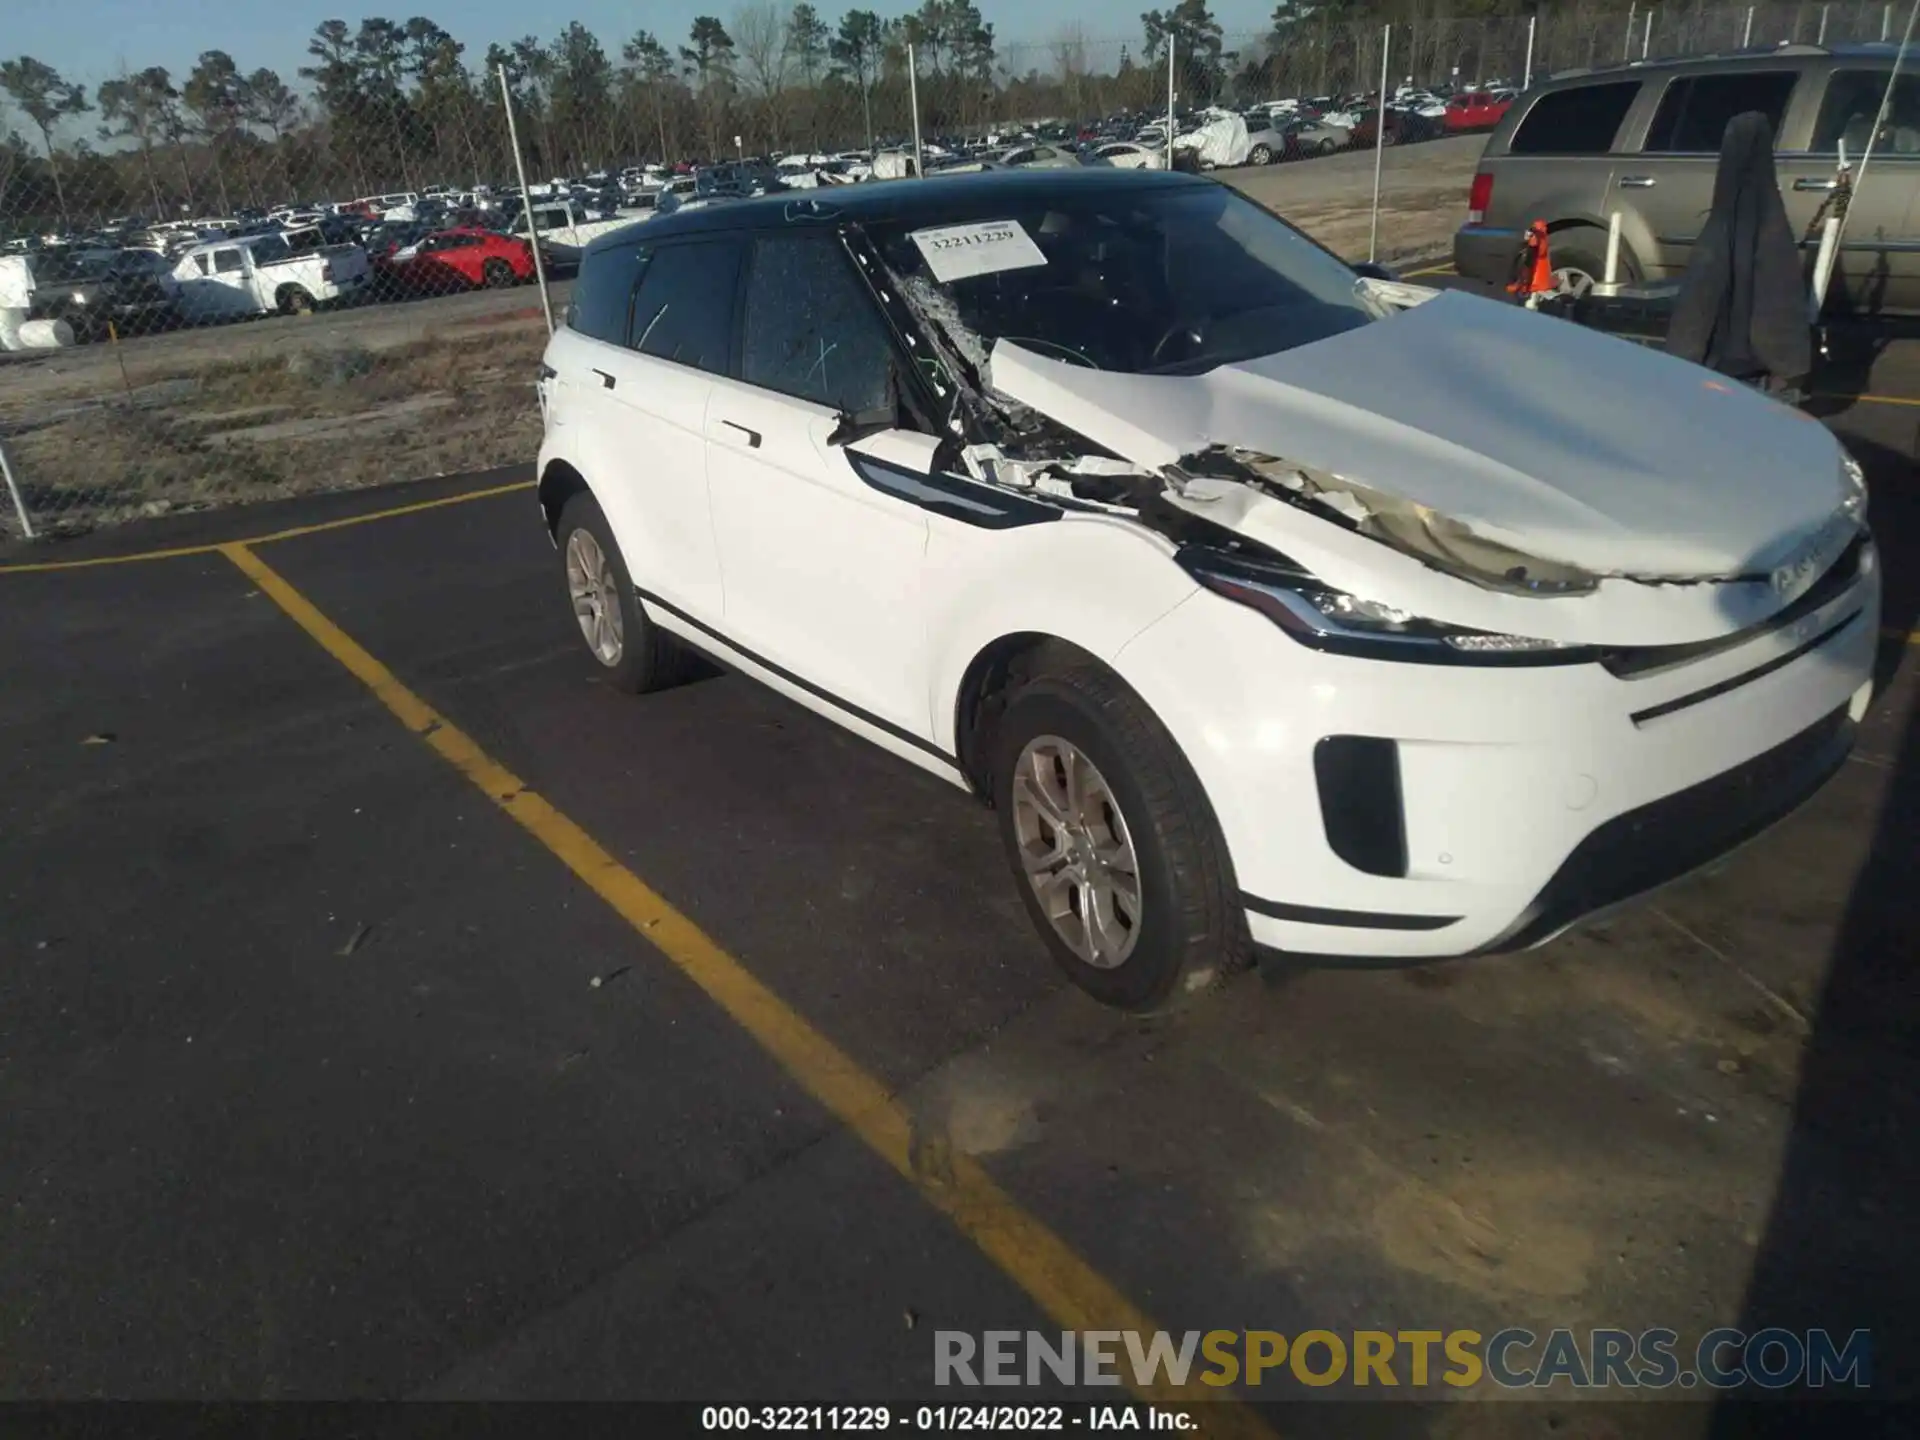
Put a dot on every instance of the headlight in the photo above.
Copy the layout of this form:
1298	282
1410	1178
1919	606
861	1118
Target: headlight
80	297
1319	616
1855	503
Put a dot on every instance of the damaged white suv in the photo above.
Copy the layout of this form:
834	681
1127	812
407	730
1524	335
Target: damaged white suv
1264	613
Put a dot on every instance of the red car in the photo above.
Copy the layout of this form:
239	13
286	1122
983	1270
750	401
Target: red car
460	260
1475	110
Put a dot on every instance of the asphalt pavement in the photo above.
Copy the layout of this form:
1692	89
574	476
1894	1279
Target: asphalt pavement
389	1009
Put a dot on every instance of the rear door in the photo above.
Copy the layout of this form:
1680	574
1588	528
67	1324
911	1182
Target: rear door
656	327
1558	164
822	570
1878	270
1668	184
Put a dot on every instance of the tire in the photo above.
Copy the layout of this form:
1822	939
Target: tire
292	300
634	654
1327	146
1186	932
1260	155
497	275
1578	257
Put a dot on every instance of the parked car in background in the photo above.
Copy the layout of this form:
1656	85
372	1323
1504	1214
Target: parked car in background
565	228
1474	110
1403	128
90	290
1243	643
1127	155
1644	142
1036	157
447	260
1303	138
261	274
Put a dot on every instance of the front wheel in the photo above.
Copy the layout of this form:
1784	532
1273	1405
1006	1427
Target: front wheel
1327	145
634	654
497	274
1113	843
1260	155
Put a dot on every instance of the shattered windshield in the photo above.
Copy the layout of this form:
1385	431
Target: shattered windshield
1170	282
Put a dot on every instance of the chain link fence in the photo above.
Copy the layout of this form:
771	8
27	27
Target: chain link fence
239	284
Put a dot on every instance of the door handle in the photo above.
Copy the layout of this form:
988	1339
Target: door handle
1808	183
606	380
752	436
1636	182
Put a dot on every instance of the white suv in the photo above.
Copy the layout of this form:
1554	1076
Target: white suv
1265	614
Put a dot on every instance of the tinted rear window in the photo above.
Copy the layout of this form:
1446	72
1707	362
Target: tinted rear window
1694	112
684	311
603	295
1853	100
1579	121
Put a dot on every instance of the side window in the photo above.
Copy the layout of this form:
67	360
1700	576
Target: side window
201	262
684	311
812	331
226	262
1853	100
1580	120
603	295
1694	112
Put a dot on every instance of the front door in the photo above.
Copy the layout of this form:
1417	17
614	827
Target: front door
822	572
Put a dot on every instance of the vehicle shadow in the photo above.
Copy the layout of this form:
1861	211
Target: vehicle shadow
1840	1251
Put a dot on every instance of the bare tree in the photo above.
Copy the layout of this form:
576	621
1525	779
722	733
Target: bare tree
46	99
760	36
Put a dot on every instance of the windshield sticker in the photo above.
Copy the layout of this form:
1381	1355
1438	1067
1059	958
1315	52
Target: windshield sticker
957	252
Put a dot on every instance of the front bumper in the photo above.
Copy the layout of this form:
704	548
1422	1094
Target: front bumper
1520	799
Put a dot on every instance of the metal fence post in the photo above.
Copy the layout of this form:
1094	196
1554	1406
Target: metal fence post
526	200
1646	35
1379	142
19	500
1626	45
1746	38
1171	47
913	103
1526	81
1822	39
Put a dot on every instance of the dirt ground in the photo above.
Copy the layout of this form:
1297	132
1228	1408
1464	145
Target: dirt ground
184	435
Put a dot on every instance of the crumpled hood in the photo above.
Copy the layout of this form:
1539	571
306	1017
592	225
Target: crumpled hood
1563	443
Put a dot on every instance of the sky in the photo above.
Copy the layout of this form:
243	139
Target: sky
89	40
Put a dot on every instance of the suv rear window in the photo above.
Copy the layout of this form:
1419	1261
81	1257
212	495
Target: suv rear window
1694	112
1580	120
1851	103
603	294
684	311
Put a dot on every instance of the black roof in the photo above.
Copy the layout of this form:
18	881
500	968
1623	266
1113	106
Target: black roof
928	201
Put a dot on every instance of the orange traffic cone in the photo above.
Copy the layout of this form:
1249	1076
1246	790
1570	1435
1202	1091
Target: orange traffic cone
1533	273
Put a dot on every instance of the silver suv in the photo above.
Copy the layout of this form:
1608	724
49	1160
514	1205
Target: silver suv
1644	139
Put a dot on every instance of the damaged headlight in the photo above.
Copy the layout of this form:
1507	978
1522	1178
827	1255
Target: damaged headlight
1317	615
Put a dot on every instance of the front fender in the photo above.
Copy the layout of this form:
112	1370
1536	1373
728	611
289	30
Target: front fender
1093	581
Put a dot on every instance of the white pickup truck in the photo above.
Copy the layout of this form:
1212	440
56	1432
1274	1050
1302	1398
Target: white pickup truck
566	228
262	275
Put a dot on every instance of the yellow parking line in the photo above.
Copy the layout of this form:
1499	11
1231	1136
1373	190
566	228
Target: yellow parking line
1875	399
1070	1290
177	551
1894	632
1446	269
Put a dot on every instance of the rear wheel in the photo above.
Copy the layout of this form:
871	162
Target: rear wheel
1113	843
635	655
497	274
1327	147
1577	267
1260	155
292	300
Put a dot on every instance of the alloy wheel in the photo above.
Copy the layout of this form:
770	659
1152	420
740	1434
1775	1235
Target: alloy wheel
596	597
1077	851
